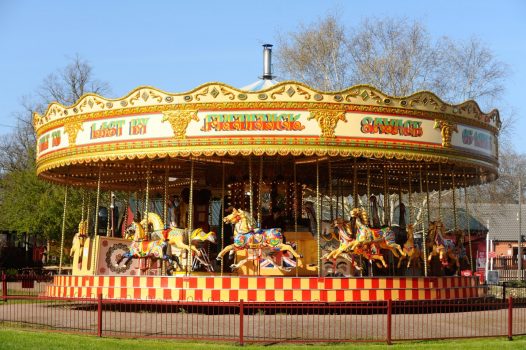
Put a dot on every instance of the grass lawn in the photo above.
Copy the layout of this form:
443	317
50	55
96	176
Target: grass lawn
18	339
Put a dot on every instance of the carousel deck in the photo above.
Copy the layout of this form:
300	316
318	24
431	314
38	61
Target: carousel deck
265	289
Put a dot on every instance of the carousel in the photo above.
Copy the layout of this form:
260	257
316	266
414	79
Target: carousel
272	192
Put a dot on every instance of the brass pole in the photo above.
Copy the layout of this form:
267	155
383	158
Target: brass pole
222	212
295	200
355	184
369	212
428	212
318	213
468	221
409	201
454	198
147	202
330	191
97	203
260	186
165	196
387	213
96	229
424	233
189	262
440	191
63	233
250	187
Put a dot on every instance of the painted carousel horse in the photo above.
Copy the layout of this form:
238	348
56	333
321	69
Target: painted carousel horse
460	249
79	238
246	236
176	239
444	248
143	248
345	236
383	238
371	252
413	254
328	238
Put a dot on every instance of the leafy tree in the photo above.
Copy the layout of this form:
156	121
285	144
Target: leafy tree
27	203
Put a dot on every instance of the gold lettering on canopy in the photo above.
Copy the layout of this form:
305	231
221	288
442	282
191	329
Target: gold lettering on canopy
252	122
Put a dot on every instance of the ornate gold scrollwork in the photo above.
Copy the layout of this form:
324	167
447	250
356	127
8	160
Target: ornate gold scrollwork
179	121
72	129
327	120
446	129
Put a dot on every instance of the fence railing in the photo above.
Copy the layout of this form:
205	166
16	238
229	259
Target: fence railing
250	322
502	314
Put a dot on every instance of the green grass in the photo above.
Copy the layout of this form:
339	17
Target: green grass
22	339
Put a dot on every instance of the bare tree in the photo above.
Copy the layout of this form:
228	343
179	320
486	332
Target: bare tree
67	85
395	55
317	55
27	203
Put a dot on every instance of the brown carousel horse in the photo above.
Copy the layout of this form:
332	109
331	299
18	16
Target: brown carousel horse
413	253
246	236
438	245
383	238
363	243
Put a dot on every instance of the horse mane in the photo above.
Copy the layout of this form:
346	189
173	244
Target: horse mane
245	214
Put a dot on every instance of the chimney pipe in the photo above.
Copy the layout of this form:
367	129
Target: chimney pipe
267	62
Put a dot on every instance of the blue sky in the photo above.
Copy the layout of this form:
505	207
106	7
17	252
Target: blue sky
178	45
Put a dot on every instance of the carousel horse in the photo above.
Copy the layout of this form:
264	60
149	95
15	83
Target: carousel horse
176	237
143	248
439	246
413	254
246	236
460	249
328	238
383	238
371	252
345	236
79	238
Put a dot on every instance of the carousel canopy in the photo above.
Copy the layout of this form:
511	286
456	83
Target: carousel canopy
363	137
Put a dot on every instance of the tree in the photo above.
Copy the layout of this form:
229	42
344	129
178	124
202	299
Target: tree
27	203
400	57
395	55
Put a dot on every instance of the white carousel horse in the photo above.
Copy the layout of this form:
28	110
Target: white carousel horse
246	236
176	237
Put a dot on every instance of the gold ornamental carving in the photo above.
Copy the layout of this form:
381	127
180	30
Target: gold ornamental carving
72	129
179	121
446	129
327	120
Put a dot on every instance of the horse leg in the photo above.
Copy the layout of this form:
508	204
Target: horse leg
288	248
224	251
239	264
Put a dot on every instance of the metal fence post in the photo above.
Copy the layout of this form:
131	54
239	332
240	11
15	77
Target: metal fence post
99	315
389	320
510	318
4	287
241	330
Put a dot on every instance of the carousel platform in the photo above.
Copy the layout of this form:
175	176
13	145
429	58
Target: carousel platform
265	288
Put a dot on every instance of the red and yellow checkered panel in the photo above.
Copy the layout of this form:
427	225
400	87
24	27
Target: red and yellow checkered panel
261	289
